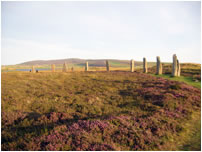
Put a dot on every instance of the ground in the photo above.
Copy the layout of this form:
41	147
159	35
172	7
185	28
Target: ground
98	111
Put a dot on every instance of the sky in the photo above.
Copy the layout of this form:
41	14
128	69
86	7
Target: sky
100	30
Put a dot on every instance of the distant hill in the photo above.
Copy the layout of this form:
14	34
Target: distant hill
59	61
81	62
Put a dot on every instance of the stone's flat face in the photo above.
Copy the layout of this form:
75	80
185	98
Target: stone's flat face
178	68
33	69
175	66
132	65
64	67
144	65
107	65
159	68
86	67
53	67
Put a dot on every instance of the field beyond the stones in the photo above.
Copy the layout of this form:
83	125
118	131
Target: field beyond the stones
98	111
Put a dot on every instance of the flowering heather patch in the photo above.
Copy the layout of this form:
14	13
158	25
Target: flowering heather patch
9	118
94	111
72	137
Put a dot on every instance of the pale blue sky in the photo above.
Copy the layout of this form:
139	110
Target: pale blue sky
100	30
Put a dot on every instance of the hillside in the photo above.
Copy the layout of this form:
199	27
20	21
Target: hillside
98	111
79	62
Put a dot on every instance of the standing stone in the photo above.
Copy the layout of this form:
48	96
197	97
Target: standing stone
72	69
86	67
132	65
64	67
53	67
158	66
178	68
144	65
174	66
107	65
33	69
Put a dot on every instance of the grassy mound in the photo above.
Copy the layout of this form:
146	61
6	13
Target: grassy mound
96	111
188	70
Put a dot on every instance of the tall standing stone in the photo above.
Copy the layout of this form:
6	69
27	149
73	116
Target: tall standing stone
53	67
107	65
86	67
158	66
33	69
178	68
64	69
174	66
132	65
144	65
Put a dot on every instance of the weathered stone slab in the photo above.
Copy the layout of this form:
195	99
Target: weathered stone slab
158	66
33	69
144	65
178	68
132	64
86	67
64	69
174	66
107	65
53	67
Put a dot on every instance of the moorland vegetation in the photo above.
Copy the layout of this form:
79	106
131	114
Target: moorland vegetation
101	110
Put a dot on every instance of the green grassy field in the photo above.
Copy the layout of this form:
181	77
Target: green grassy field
188	80
99	111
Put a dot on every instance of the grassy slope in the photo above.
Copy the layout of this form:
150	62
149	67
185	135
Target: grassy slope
193	135
29	100
187	80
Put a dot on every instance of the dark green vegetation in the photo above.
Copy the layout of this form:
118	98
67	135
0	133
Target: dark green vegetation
98	111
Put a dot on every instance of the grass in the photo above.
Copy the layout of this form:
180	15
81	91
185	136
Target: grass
188	80
98	111
193	135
